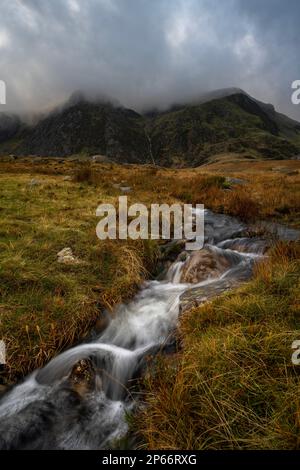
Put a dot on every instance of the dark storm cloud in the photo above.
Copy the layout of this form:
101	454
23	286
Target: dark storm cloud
148	53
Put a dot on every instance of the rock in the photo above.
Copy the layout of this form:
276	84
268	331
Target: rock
198	295
100	159
125	189
67	178
37	159
102	321
33	183
204	264
66	256
231	180
116	185
172	249
275	230
246	245
3	389
82	377
291	172
285	171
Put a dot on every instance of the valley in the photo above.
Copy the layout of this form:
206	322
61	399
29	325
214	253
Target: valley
86	299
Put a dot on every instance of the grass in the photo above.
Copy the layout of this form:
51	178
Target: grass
191	135
46	306
233	386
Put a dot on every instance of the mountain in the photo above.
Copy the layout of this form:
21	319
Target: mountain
184	135
234	123
10	125
88	127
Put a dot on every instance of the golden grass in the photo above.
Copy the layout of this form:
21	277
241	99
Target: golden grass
45	306
273	194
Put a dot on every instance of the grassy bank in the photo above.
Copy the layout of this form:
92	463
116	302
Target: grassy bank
233	386
46	306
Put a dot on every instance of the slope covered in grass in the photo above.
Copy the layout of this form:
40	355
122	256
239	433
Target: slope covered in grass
46	306
182	136
233	386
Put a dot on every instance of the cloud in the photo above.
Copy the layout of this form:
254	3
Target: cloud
147	54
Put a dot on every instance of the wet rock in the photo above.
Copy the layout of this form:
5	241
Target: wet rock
3	389
198	295
66	256
273	230
204	264
82	377
219	227
246	245
102	322
171	250
162	269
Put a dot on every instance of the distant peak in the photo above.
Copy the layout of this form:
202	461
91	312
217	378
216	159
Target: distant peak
76	98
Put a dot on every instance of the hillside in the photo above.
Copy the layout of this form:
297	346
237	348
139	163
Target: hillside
88	128
184	135
235	123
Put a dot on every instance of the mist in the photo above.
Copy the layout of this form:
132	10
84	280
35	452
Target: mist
146	54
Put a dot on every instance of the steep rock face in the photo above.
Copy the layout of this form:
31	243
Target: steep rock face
92	128
9	126
184	135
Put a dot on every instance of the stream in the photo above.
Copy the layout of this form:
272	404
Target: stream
46	411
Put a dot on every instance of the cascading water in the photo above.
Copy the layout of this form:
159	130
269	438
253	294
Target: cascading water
45	412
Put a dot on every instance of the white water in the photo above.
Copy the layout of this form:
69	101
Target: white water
44	412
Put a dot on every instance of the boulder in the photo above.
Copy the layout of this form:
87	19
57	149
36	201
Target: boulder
66	256
198	295
204	264
100	159
125	189
82	377
232	180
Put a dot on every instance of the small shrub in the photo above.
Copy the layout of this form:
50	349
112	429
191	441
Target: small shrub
84	174
241	205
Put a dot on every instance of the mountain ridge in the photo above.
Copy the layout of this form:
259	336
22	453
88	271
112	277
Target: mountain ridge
183	135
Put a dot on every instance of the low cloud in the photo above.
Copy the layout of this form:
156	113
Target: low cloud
147	54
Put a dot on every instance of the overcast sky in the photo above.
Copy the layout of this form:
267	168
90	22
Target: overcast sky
148	53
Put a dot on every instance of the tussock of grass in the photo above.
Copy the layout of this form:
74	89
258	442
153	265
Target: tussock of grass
241	205
84	174
234	385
